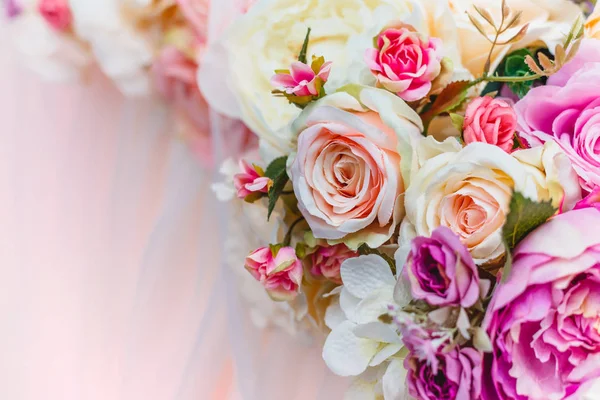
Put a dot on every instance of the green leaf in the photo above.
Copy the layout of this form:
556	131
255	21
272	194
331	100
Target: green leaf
365	250
457	121
275	191
507	264
276	167
448	100
302	55
276	171
317	64
524	216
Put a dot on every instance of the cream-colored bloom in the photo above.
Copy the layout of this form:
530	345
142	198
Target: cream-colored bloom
123	52
553	174
468	191
270	37
54	55
353	149
549	21
592	24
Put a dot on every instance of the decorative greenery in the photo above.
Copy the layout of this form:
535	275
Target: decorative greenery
448	100
524	216
276	171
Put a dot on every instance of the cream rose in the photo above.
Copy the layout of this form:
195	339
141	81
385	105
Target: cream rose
347	173
468	191
592	25
549	21
269	37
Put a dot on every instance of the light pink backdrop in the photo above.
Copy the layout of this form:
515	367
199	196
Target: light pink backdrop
110	279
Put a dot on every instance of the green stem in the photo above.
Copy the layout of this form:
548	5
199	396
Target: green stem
288	237
286	192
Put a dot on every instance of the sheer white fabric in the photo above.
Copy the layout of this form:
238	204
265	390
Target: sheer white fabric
270	364
108	258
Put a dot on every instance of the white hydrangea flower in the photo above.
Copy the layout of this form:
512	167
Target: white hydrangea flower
122	52
358	340
54	55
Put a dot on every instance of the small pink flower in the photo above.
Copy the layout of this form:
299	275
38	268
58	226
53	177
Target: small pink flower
57	13
491	121
302	79
280	273
326	261
12	8
405	63
250	181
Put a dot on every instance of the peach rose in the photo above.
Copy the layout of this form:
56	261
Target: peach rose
347	170
592	26
491	121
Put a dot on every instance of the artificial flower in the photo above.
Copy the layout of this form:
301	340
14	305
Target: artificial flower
457	376
567	111
12	8
326	261
347	170
54	54
543	320
441	271
592	28
243	51
278	270
553	174
250	181
57	13
549	21
358	339
303	79
405	62
591	200
123	51
468	191
489	120
196	13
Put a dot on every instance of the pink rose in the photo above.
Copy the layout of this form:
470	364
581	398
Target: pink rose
250	181
196	12
434	374
491	121
346	173
13	8
567	110
405	63
280	274
302	79
57	13
326	261
441	271
543	321
174	76
591	200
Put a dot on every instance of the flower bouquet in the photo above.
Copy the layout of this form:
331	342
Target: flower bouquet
426	197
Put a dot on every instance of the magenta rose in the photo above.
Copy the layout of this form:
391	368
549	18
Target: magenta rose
441	270
456	374
301	79
544	320
491	121
405	63
280	272
326	261
567	110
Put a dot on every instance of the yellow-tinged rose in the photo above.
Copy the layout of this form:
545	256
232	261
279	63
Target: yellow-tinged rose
592	25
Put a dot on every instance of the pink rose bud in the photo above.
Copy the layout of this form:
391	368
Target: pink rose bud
280	272
491	121
57	13
405	63
302	79
326	261
250	181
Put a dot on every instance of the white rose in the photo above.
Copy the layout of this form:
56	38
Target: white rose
54	55
269	37
549	21
468	191
122	52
